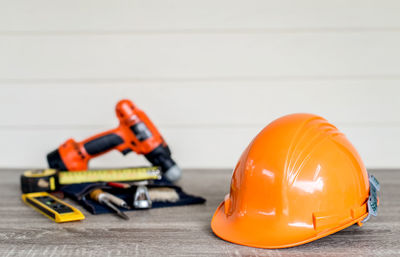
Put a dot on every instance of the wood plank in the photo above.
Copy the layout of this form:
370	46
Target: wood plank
205	56
155	15
203	147
180	231
200	103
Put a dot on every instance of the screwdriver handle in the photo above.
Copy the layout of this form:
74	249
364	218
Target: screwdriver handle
100	196
116	200
103	198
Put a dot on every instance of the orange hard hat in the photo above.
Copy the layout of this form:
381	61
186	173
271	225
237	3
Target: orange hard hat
300	179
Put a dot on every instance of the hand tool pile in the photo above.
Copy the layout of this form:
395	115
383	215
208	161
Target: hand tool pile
111	190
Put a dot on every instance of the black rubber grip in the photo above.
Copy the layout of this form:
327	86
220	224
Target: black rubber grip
30	184
55	161
102	144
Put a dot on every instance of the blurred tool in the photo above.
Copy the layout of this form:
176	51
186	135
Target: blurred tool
141	199
163	194
52	207
50	179
119	185
109	200
81	194
135	133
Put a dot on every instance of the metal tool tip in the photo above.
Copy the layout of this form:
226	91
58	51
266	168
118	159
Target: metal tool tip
123	215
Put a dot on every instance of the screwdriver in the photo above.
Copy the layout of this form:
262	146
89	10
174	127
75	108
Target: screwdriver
109	200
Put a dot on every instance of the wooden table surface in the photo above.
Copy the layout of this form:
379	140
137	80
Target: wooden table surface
180	231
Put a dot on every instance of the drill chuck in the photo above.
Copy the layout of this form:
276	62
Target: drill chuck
173	174
161	156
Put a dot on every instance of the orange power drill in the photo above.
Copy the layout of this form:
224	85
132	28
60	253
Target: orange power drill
135	133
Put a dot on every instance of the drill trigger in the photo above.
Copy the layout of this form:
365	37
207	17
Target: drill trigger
126	151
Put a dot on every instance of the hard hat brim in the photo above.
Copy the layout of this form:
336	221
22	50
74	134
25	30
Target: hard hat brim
223	228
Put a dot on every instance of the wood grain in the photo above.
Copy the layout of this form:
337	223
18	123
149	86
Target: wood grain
180	231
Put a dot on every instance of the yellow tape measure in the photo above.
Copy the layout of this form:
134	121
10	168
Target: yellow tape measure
50	179
67	177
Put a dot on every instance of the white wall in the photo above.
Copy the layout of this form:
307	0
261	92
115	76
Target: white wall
209	73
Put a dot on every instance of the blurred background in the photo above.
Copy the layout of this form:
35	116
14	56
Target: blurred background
210	73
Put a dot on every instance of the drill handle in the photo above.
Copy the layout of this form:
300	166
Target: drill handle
104	142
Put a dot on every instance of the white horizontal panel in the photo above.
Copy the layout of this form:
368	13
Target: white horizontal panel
240	103
191	147
125	15
205	56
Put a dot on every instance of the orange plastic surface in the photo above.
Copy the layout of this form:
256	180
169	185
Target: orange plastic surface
300	179
75	156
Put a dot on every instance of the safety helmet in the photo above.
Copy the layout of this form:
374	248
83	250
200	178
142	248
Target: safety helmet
300	179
